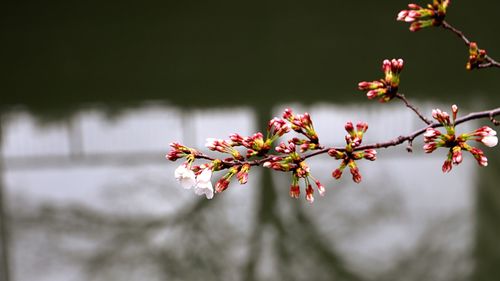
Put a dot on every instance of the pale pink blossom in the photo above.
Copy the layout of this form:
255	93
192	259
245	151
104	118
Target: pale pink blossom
185	176
204	185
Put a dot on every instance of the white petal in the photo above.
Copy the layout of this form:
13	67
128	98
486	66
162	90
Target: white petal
490	141
209	194
204	188
188	182
205	176
179	171
185	176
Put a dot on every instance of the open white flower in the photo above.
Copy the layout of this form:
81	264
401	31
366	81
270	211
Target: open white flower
185	176
204	185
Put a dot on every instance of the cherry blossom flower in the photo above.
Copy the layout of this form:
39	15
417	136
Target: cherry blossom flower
185	176
384	89
420	17
203	184
434	139
348	155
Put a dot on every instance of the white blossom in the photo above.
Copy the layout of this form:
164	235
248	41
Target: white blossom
204	185
185	176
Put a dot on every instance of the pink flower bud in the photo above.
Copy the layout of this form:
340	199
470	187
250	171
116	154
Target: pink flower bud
364	85
173	155
372	94
416	26
306	119
479	156
446	166
321	188
430	147
490	141
370	85
456	155
402	15
349	127
370	154
335	153
294	191
309	193
337	173
304	147
386	66
221	185
431	134
454	110
242	175
356	176
435	113
237	139
414	6
483	161
288	114
362	127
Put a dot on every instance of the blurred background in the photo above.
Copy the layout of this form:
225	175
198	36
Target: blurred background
93	92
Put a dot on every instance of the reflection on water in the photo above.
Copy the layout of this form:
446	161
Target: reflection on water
94	199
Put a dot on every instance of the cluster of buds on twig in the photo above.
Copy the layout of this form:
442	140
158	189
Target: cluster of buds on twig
241	173
257	146
294	163
384	89
434	139
302	124
223	146
180	151
477	57
420	17
349	155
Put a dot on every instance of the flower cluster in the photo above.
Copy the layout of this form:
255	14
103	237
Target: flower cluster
349	155
200	181
420	17
223	146
293	162
434	139
476	56
384	89
257	147
302	124
241	173
180	151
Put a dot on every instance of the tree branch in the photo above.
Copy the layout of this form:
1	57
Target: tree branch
412	107
490	61
390	143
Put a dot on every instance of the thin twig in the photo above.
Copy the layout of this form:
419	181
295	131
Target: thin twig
458	32
490	61
412	107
